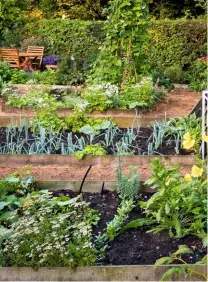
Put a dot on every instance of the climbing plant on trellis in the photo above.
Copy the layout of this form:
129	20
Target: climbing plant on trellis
123	54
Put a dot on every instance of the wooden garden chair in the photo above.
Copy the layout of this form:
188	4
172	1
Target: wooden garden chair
10	56
39	51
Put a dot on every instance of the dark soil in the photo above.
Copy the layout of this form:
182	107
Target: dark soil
138	147
135	246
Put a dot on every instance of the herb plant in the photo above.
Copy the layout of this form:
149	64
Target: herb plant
52	232
127	184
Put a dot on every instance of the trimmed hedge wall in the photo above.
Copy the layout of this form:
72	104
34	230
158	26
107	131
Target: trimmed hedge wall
178	42
66	35
174	42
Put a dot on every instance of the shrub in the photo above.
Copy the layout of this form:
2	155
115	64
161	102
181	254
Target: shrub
5	72
198	76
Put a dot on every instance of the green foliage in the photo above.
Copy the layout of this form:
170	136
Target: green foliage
175	74
177	43
165	9
19	76
127	184
183	269
72	70
75	121
74	38
10	13
140	95
124	50
91	150
137	223
178	205
198	76
5	72
52	232
36	98
114	226
12	190
79	122
44	77
96	99
159	78
48	120
191	125
85	9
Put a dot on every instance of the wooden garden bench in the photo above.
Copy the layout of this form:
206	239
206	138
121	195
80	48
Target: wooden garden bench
10	56
38	51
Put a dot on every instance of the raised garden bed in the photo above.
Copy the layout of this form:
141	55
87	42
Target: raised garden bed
136	254
180	102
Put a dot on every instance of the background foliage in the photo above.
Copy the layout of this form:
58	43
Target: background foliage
175	42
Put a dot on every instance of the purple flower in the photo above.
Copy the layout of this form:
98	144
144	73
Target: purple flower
50	60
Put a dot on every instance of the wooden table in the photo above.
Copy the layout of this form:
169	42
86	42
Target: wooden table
27	60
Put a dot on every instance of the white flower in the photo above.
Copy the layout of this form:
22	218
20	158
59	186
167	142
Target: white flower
40	100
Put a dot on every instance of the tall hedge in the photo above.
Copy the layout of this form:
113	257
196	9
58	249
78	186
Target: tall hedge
174	42
71	35
177	42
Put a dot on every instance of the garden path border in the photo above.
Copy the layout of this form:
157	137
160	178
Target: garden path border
93	273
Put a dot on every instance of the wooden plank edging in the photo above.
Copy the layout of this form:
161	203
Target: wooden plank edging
94	273
92	186
99	161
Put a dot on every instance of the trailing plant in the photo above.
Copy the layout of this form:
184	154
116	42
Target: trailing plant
184	269
91	150
36	98
51	232
179	205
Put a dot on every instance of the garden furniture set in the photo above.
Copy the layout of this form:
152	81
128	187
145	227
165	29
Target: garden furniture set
28	61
